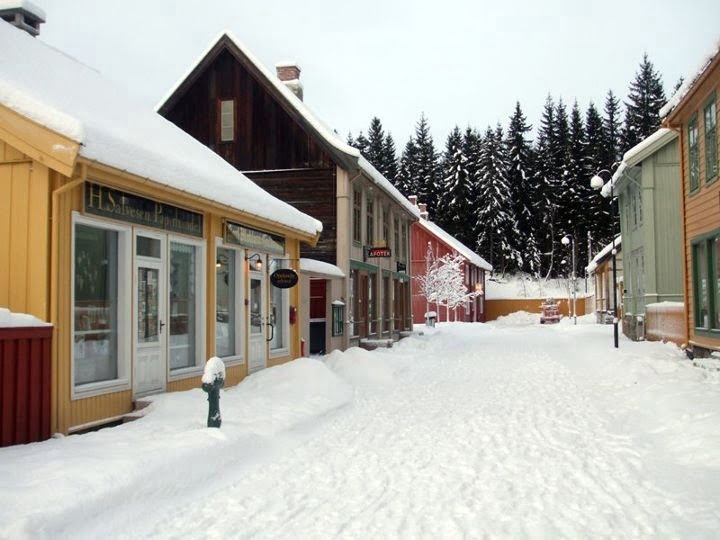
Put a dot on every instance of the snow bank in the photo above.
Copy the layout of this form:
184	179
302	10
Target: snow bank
519	318
360	367
8	319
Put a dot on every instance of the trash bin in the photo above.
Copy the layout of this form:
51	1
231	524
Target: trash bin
430	318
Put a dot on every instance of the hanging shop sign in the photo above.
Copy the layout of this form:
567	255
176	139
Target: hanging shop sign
116	204
379	252
401	267
254	239
284	278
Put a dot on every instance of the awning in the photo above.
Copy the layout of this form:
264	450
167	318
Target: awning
315	268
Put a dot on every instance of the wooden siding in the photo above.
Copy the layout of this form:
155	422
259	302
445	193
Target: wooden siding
500	307
24	221
702	207
266	137
312	191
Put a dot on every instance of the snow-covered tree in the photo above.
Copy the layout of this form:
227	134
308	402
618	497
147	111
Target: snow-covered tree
612	126
520	178
419	166
454	211
389	159
646	98
443	283
376	141
496	225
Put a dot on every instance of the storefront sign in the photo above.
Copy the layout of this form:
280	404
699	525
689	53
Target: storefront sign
113	203
254	239
284	278
379	252
401	267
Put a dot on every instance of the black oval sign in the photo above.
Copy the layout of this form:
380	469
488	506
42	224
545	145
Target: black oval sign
284	278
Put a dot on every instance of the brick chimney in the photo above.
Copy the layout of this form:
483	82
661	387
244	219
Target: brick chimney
23	14
423	211
289	74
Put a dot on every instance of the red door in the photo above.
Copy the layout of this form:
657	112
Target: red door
318	321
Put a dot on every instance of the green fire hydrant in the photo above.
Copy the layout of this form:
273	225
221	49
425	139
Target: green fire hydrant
213	380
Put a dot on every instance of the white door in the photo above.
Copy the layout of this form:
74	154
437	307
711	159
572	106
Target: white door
149	328
258	320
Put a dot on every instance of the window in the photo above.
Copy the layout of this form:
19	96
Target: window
711	157
403	240
370	225
279	312
354	302
396	243
227	120
186	304
693	155
372	304
706	287
386	225
338	314
357	201
228	303
101	272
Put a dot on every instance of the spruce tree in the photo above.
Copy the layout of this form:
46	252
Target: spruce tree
454	211
646	98
389	159
520	178
407	180
496	225
611	124
376	141
597	206
544	204
419	167
361	143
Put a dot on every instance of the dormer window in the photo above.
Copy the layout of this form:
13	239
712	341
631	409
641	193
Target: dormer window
227	120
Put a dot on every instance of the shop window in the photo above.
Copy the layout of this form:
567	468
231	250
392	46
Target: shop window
279	312
357	201
227	120
693	154
228	303
711	156
338	316
702	282
385	226
372	304
185	305
101	273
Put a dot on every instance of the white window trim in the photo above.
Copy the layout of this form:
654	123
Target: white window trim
240	335
285	349
125	259
201	261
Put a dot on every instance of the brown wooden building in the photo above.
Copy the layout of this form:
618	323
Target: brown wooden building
259	123
692	112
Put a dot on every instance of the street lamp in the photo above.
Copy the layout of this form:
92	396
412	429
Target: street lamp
569	239
596	182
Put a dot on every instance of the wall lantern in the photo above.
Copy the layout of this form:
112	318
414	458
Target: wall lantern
255	262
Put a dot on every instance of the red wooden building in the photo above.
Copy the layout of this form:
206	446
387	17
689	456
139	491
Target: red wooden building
430	241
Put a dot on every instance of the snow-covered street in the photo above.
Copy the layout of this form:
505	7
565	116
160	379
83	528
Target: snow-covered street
508	429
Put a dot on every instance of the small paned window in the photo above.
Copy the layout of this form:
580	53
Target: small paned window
227	120
693	155
711	157
701	285
357	201
396	243
338	314
386	225
370	225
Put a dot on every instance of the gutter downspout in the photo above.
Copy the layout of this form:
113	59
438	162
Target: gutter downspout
54	288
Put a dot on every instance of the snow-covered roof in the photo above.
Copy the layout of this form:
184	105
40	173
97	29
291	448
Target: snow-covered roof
690	81
456	244
66	96
322	130
23	5
603	254
320	268
638	153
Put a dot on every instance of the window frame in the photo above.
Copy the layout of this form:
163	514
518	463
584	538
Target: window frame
240	336
200	310
222	115
357	215
711	244
124	293
711	165
693	154
370	219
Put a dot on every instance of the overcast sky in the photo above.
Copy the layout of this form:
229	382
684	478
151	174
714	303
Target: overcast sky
459	62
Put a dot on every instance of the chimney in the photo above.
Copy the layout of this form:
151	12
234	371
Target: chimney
23	14
413	200
289	74
423	211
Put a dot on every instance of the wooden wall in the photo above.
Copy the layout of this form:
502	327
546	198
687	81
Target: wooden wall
266	137
312	191
495	308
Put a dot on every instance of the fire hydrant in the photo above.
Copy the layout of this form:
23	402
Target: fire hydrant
213	380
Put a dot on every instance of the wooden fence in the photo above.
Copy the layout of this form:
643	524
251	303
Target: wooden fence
495	308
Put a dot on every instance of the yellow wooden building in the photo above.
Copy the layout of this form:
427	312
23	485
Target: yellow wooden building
146	251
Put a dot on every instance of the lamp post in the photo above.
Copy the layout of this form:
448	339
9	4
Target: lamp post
569	239
596	182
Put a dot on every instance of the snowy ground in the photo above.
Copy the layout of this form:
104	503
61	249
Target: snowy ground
508	429
521	285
